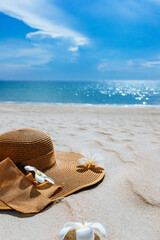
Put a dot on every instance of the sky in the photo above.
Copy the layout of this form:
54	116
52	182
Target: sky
80	40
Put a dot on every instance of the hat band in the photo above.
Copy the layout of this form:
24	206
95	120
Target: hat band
42	162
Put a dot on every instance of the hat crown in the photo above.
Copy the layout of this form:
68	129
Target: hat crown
24	144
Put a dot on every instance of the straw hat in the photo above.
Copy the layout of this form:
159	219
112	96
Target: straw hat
35	148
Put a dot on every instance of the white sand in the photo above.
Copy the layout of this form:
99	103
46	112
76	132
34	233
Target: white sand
127	202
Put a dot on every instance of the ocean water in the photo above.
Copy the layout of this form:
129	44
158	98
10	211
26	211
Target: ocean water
107	92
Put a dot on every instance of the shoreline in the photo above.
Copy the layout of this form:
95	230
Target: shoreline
79	105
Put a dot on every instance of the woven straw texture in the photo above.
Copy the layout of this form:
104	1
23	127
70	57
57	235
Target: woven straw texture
24	144
27	144
66	172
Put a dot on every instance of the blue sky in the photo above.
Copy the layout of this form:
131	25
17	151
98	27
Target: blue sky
79	39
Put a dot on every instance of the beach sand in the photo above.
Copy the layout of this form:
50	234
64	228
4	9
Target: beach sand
127	201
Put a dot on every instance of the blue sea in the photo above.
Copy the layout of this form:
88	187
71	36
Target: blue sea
142	93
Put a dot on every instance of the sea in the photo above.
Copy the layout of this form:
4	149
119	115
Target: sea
123	93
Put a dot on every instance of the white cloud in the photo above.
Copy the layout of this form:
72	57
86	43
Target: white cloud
150	64
73	49
107	65
44	17
20	60
60	33
16	56
143	63
132	10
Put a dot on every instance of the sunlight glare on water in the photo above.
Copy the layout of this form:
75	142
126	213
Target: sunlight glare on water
106	92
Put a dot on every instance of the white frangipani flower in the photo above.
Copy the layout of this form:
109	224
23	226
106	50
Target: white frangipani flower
83	231
39	176
91	160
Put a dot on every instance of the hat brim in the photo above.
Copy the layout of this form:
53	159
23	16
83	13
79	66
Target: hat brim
66	171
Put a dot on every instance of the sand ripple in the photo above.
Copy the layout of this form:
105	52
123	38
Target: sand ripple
127	202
